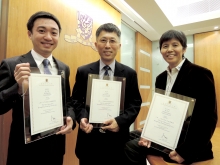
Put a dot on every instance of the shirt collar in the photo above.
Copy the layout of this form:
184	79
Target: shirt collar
39	58
178	67
112	66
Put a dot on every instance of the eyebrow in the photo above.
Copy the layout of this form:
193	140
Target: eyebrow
46	28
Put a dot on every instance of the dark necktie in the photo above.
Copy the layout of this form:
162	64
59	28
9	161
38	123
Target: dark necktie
46	69
106	74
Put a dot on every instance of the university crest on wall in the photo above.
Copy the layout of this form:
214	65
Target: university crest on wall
84	31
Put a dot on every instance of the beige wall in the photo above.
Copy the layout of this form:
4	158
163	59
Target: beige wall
72	53
207	54
144	72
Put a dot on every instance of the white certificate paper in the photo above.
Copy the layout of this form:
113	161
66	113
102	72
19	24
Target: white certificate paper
165	120
46	110
105	100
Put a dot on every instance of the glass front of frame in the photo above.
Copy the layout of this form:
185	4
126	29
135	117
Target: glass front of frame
105	98
43	104
168	120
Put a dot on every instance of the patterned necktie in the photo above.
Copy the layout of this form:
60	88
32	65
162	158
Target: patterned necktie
106	70
46	69
106	74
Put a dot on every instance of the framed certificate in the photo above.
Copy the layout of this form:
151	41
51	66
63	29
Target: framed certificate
166	119
42	105
105	98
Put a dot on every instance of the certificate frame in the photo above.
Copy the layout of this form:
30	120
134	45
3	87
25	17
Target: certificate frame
93	81
34	104
165	136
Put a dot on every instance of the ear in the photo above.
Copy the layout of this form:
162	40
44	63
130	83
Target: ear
96	45
29	34
184	50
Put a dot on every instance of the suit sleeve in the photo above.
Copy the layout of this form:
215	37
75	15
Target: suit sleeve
204	118
79	95
70	109
8	87
132	102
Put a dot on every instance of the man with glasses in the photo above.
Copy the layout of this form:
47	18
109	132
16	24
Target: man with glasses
106	145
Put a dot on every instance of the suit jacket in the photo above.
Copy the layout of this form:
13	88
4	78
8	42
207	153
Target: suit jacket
95	142
196	82
10	99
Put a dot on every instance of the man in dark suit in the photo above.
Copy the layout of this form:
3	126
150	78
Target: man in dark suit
43	30
95	146
184	78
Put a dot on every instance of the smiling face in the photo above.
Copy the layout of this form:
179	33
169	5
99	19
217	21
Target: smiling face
172	52
107	44
44	36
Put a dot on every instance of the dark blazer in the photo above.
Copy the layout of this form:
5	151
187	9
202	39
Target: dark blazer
18	151
196	82
96	142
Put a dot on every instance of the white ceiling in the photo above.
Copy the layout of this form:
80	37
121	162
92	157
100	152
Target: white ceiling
152	22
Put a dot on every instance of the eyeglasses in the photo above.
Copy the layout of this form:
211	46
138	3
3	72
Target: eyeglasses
111	41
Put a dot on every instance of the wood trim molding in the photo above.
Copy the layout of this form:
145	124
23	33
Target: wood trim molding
3	40
3	28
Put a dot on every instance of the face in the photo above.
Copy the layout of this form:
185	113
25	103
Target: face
172	52
44	36
107	45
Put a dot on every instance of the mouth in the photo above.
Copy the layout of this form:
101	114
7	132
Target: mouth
170	55
47	44
107	52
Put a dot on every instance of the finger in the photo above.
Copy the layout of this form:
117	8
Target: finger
69	121
149	144
25	66
172	154
89	128
108	127
61	130
108	122
83	123
66	130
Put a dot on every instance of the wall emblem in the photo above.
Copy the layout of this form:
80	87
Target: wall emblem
84	31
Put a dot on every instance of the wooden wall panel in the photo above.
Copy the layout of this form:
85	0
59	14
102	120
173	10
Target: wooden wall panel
142	80
73	54
144	72
207	52
5	120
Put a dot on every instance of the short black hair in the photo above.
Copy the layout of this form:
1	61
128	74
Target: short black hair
41	14
108	27
170	34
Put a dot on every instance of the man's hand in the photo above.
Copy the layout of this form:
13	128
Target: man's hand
65	129
176	157
144	142
112	125
85	125
21	73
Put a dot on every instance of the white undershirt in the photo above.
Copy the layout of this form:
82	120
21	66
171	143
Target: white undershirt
102	70
171	77
39	59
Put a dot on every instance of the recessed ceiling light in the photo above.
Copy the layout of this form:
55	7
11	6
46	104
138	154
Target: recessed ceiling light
216	27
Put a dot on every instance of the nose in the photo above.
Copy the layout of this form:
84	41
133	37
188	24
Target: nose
47	36
170	48
107	44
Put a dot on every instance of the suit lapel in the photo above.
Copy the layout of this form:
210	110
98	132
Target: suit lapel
181	76
94	68
119	70
28	58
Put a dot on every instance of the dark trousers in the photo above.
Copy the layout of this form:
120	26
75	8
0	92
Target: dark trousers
35	159
136	155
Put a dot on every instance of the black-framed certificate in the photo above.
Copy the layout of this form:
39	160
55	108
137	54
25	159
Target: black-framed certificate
42	105
105	98
168	117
